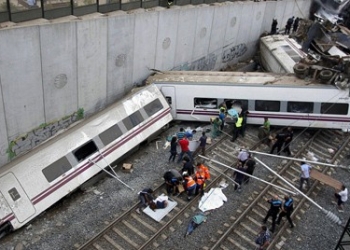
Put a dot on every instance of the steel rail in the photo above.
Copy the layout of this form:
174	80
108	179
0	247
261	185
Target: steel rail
258	198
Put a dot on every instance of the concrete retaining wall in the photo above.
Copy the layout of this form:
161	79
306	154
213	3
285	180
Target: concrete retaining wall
51	69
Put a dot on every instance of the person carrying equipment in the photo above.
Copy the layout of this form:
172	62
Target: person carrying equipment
190	185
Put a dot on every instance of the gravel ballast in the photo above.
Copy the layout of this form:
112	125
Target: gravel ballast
78	217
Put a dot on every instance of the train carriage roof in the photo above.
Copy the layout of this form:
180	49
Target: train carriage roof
232	78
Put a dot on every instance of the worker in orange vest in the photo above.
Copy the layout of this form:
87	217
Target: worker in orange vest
190	185
202	174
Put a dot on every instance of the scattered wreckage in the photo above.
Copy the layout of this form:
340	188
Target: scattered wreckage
317	52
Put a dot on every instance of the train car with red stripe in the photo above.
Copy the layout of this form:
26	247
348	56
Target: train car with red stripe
32	183
285	99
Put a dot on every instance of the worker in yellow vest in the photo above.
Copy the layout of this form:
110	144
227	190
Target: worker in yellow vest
237	127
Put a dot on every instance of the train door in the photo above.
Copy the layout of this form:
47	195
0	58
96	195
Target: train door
16	198
170	95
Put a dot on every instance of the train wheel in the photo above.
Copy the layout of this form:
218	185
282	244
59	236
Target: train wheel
5	229
326	74
300	70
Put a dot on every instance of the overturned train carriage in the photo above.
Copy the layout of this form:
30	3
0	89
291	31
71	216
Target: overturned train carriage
285	99
35	181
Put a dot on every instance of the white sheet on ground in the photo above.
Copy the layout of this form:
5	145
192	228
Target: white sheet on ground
159	214
214	199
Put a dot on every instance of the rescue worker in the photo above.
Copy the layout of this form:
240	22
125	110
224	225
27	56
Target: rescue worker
287	141
172	179
216	127
238	127
275	206
222	116
280	138
287	210
238	177
145	197
189	185
202	175
184	144
187	166
264	131
250	164
243	156
289	25
274	26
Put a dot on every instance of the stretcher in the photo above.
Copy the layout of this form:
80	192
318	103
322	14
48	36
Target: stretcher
159	214
326	179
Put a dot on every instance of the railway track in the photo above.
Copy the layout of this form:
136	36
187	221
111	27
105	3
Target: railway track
245	225
134	231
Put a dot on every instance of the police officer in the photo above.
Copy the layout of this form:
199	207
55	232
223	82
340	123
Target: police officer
287	210
279	143
238	127
275	206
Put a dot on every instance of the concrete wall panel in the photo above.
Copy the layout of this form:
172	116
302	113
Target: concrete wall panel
233	23
257	21
301	8
120	54
203	29
279	14
185	35
3	130
269	15
21	79
166	39
92	64
144	45
218	31
59	64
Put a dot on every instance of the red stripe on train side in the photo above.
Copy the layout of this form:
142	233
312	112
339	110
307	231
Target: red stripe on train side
291	116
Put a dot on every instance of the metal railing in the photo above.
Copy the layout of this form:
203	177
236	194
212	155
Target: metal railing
25	10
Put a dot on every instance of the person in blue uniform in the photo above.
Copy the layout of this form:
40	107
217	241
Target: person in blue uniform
275	207
287	210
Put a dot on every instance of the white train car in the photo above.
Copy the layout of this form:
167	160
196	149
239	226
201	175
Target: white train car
279	53
32	183
285	100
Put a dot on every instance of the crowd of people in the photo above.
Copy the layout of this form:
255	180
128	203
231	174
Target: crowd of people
291	25
192	177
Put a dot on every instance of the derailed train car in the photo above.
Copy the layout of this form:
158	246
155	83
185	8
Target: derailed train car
35	181
285	99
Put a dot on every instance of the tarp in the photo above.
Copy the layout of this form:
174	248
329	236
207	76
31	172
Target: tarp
212	200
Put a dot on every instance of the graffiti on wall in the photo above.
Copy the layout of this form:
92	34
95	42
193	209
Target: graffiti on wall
32	139
205	63
234	52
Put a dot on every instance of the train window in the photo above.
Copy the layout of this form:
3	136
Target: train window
85	151
14	194
273	106
300	107
133	120
205	103
154	106
110	134
56	169
243	104
168	99
334	108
